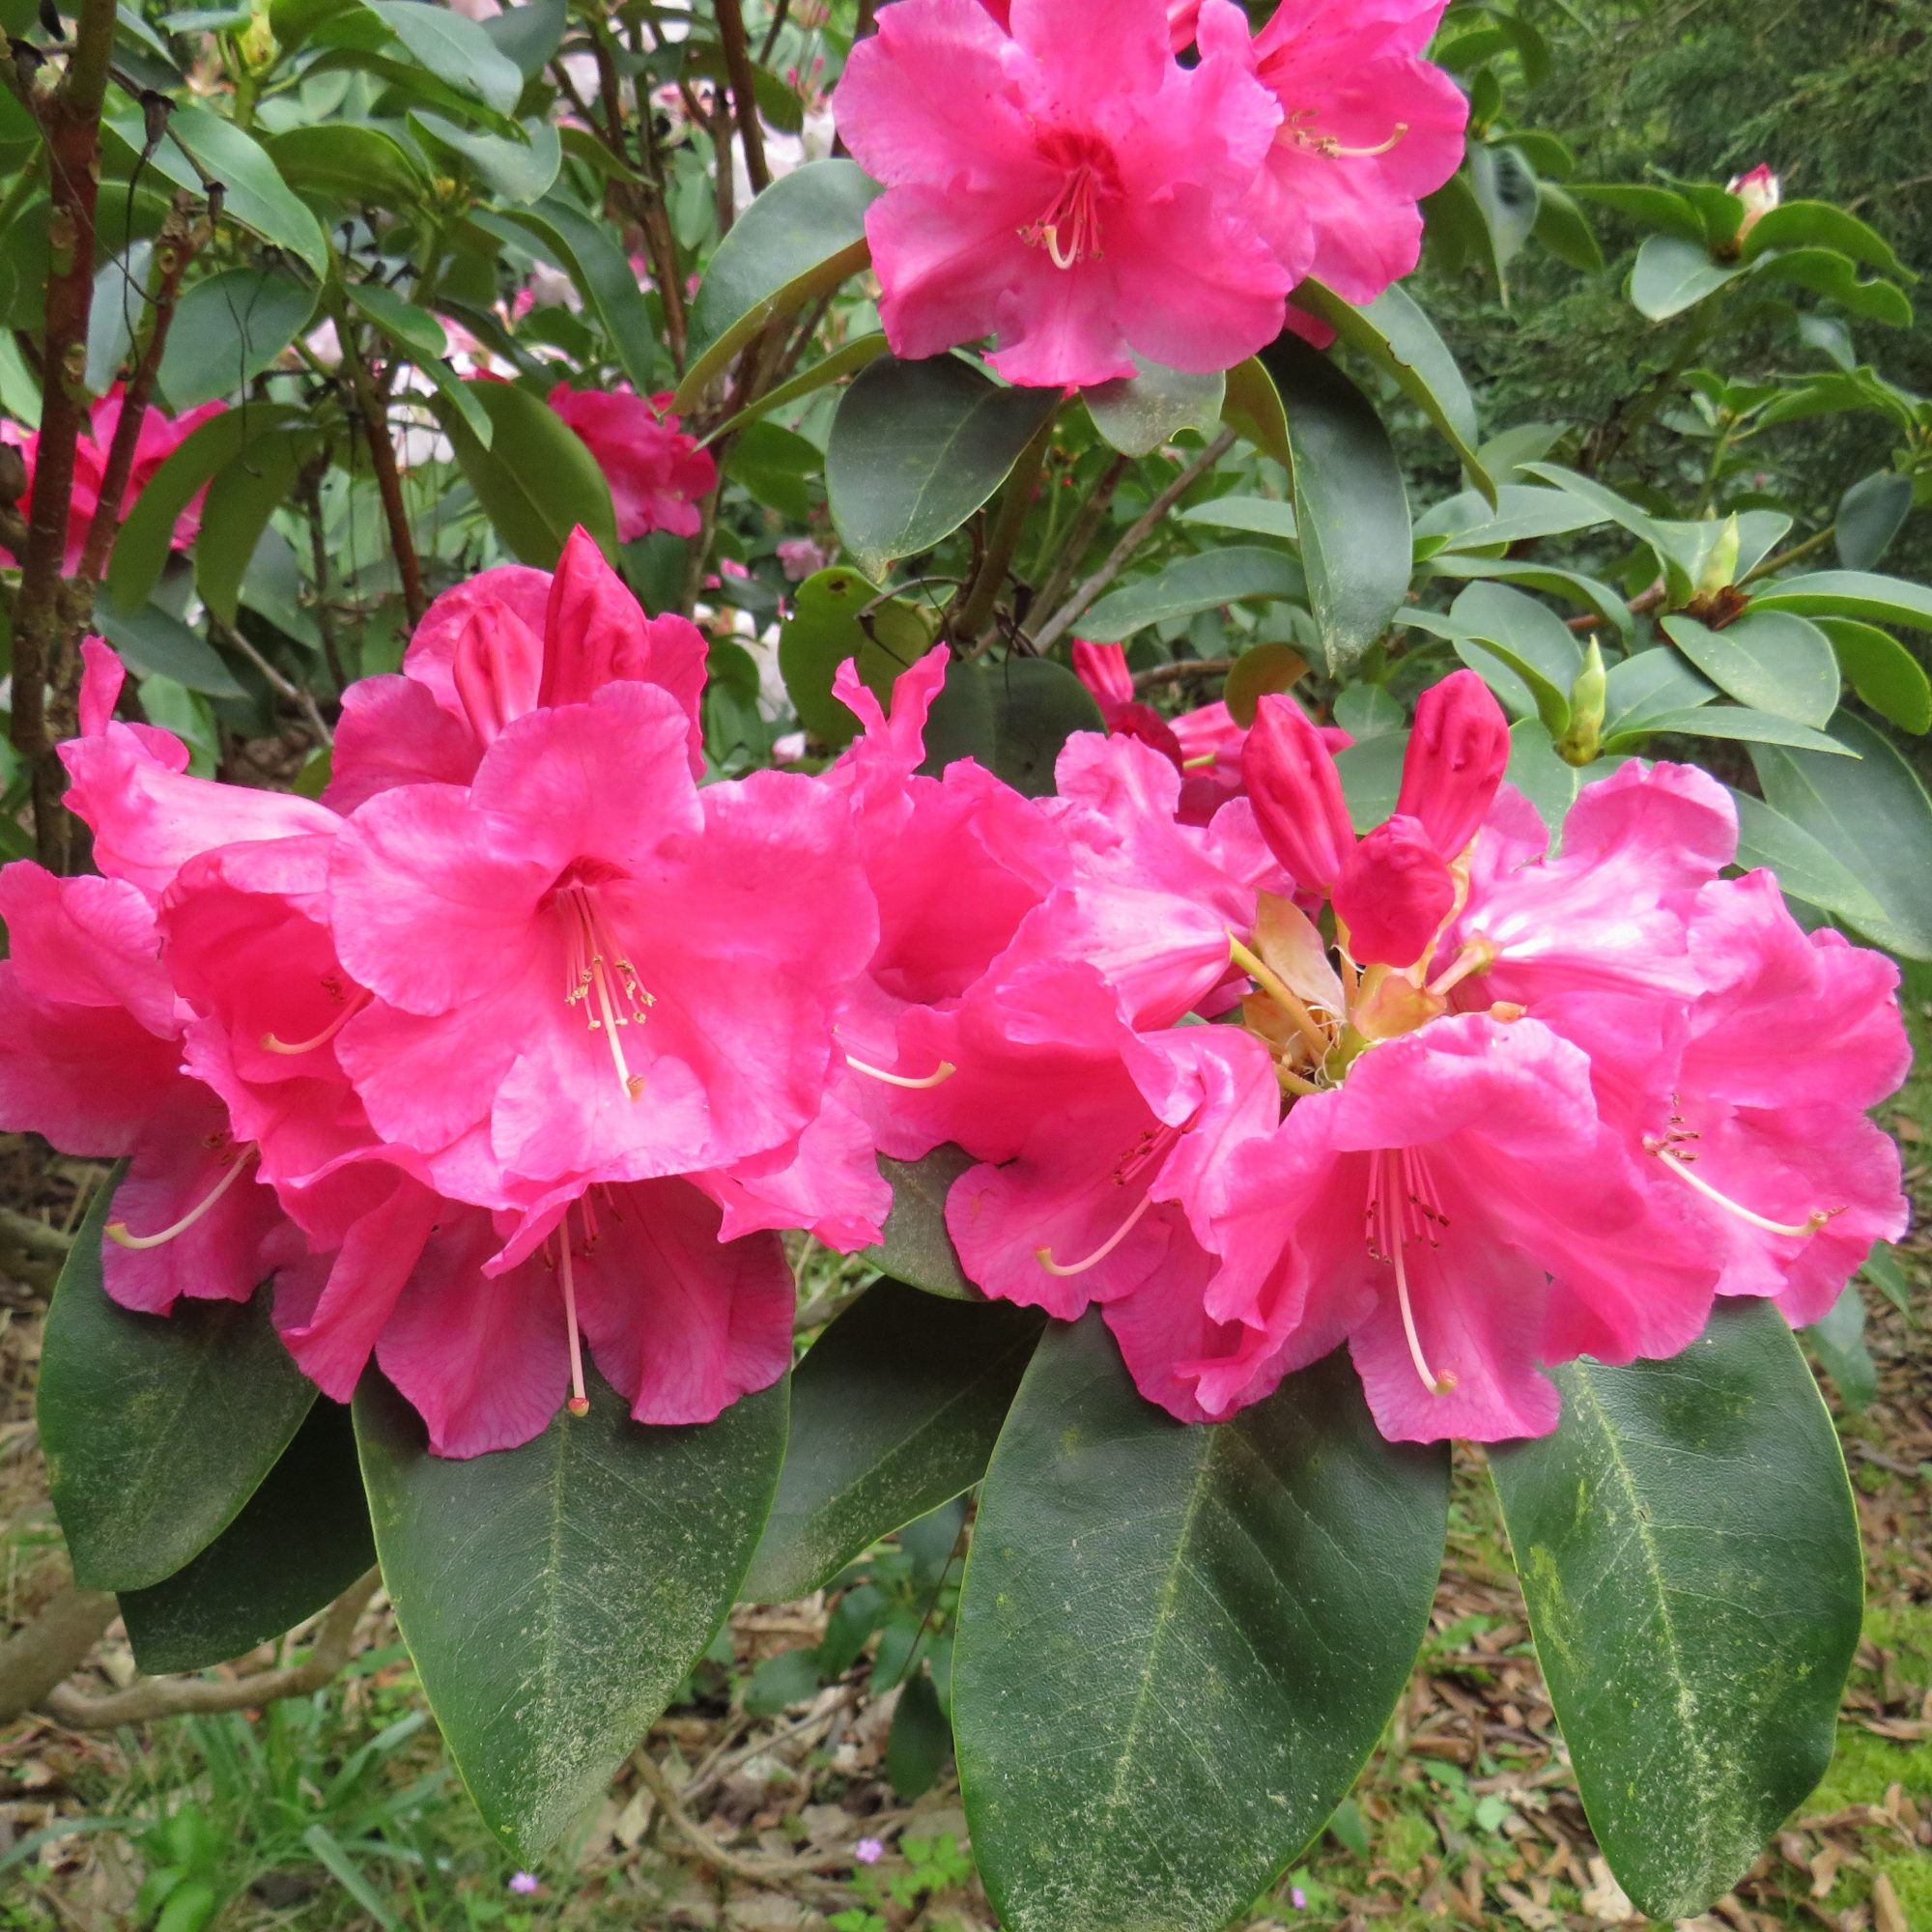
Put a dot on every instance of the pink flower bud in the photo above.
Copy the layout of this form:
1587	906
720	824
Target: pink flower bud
1456	760
1296	793
1760	190
1393	894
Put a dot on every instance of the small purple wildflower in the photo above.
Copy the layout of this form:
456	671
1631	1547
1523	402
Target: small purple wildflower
523	1882
1298	1899
868	1851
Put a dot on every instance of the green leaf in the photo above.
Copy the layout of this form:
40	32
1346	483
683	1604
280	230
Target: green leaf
1649	684
847	360
141	550
155	642
1882	672
1773	660
455	49
1348	502
1368	711
894	1410
1258	516
301	1539
257	196
1871	513
157	1428
1810	224
798	240
1137	414
554	1596
826	629
915	1246
1672	275
1850	593
1546	779
345	161
517	168
1193	583
1739	724
1564	229
1252	406
1874	815
1649	207
607	282
1589	591
1014	717
536	481
1805	869
919	1741
1839	1342
916	447
529	34
1690	1557
1827	272
1179	1644
236	510
227	329
420	336
1504	186
1520	514
1394	334
1542	654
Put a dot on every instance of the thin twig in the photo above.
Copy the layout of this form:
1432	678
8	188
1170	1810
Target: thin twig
296	694
743	92
1085	524
38	1658
35	1236
149	1697
1064	618
369	405
1180	674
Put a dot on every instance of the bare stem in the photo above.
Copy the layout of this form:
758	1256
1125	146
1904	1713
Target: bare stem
35	1658
371	408
744	93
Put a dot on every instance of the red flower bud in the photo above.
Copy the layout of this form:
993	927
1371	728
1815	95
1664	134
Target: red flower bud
1296	793
1393	894
1456	761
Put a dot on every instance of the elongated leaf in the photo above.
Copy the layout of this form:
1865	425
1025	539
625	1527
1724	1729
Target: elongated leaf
1397	338
1348	502
301	1539
1138	413
420	336
916	447
1178	1644
455	49
1252	406
1649	684
1882	671
153	642
1827	272
1839	1343
1773	660
236	510
1672	275
1191	583
610	284
1012	717
255	193
1871	513
894	1410
847	360
141	550
554	1596
536	481
1805	867
1690	1557
344	162
1651	206
1872	814
1850	593
1260	516
797	241
227	329
1739	724
1817	224
1590	592
916	1247
518	168
157	1428
826	629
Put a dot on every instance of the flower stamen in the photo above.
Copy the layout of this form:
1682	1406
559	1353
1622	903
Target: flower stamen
270	1044
116	1231
1044	1256
1070	230
1679	1165
941	1073
580	1402
601	978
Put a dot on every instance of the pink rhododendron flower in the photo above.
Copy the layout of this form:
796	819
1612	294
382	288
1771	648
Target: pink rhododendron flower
657	476
1076	194
800	557
160	437
1760	190
1368	128
1180	18
492	650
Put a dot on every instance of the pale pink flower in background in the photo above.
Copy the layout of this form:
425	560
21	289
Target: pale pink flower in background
1076	194
800	557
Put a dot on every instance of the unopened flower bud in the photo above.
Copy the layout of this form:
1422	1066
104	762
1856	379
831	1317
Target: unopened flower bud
1760	190
1296	793
1581	743
1720	565
1393	894
1456	760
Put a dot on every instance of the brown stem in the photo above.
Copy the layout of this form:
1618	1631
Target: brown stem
71	124
743	92
724	189
1064	619
308	494
659	238
51	1648
780	14
149	1698
973	611
1180	674
371	406
1085	524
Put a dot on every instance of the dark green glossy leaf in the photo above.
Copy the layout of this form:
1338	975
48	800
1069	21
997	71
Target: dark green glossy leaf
916	447
894	1410
536	481
1690	1556
796	241
1827	272
345	162
554	1596
1805	867
1189	585
1850	593
1871	513
1257	516
517	168
301	1539
610	284
1672	275
157	1428
1874	815
1348	502
1252	406
1650	206
1137	414
826	629
1564	229
227	329
1399	339
455	49
153	642
1012	717
920	1739
1179	1644
1773	660
915	1247
847	360
1739	724
1882	671
239	504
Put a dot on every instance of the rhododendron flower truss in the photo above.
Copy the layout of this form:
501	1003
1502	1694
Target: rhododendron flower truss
1078	196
